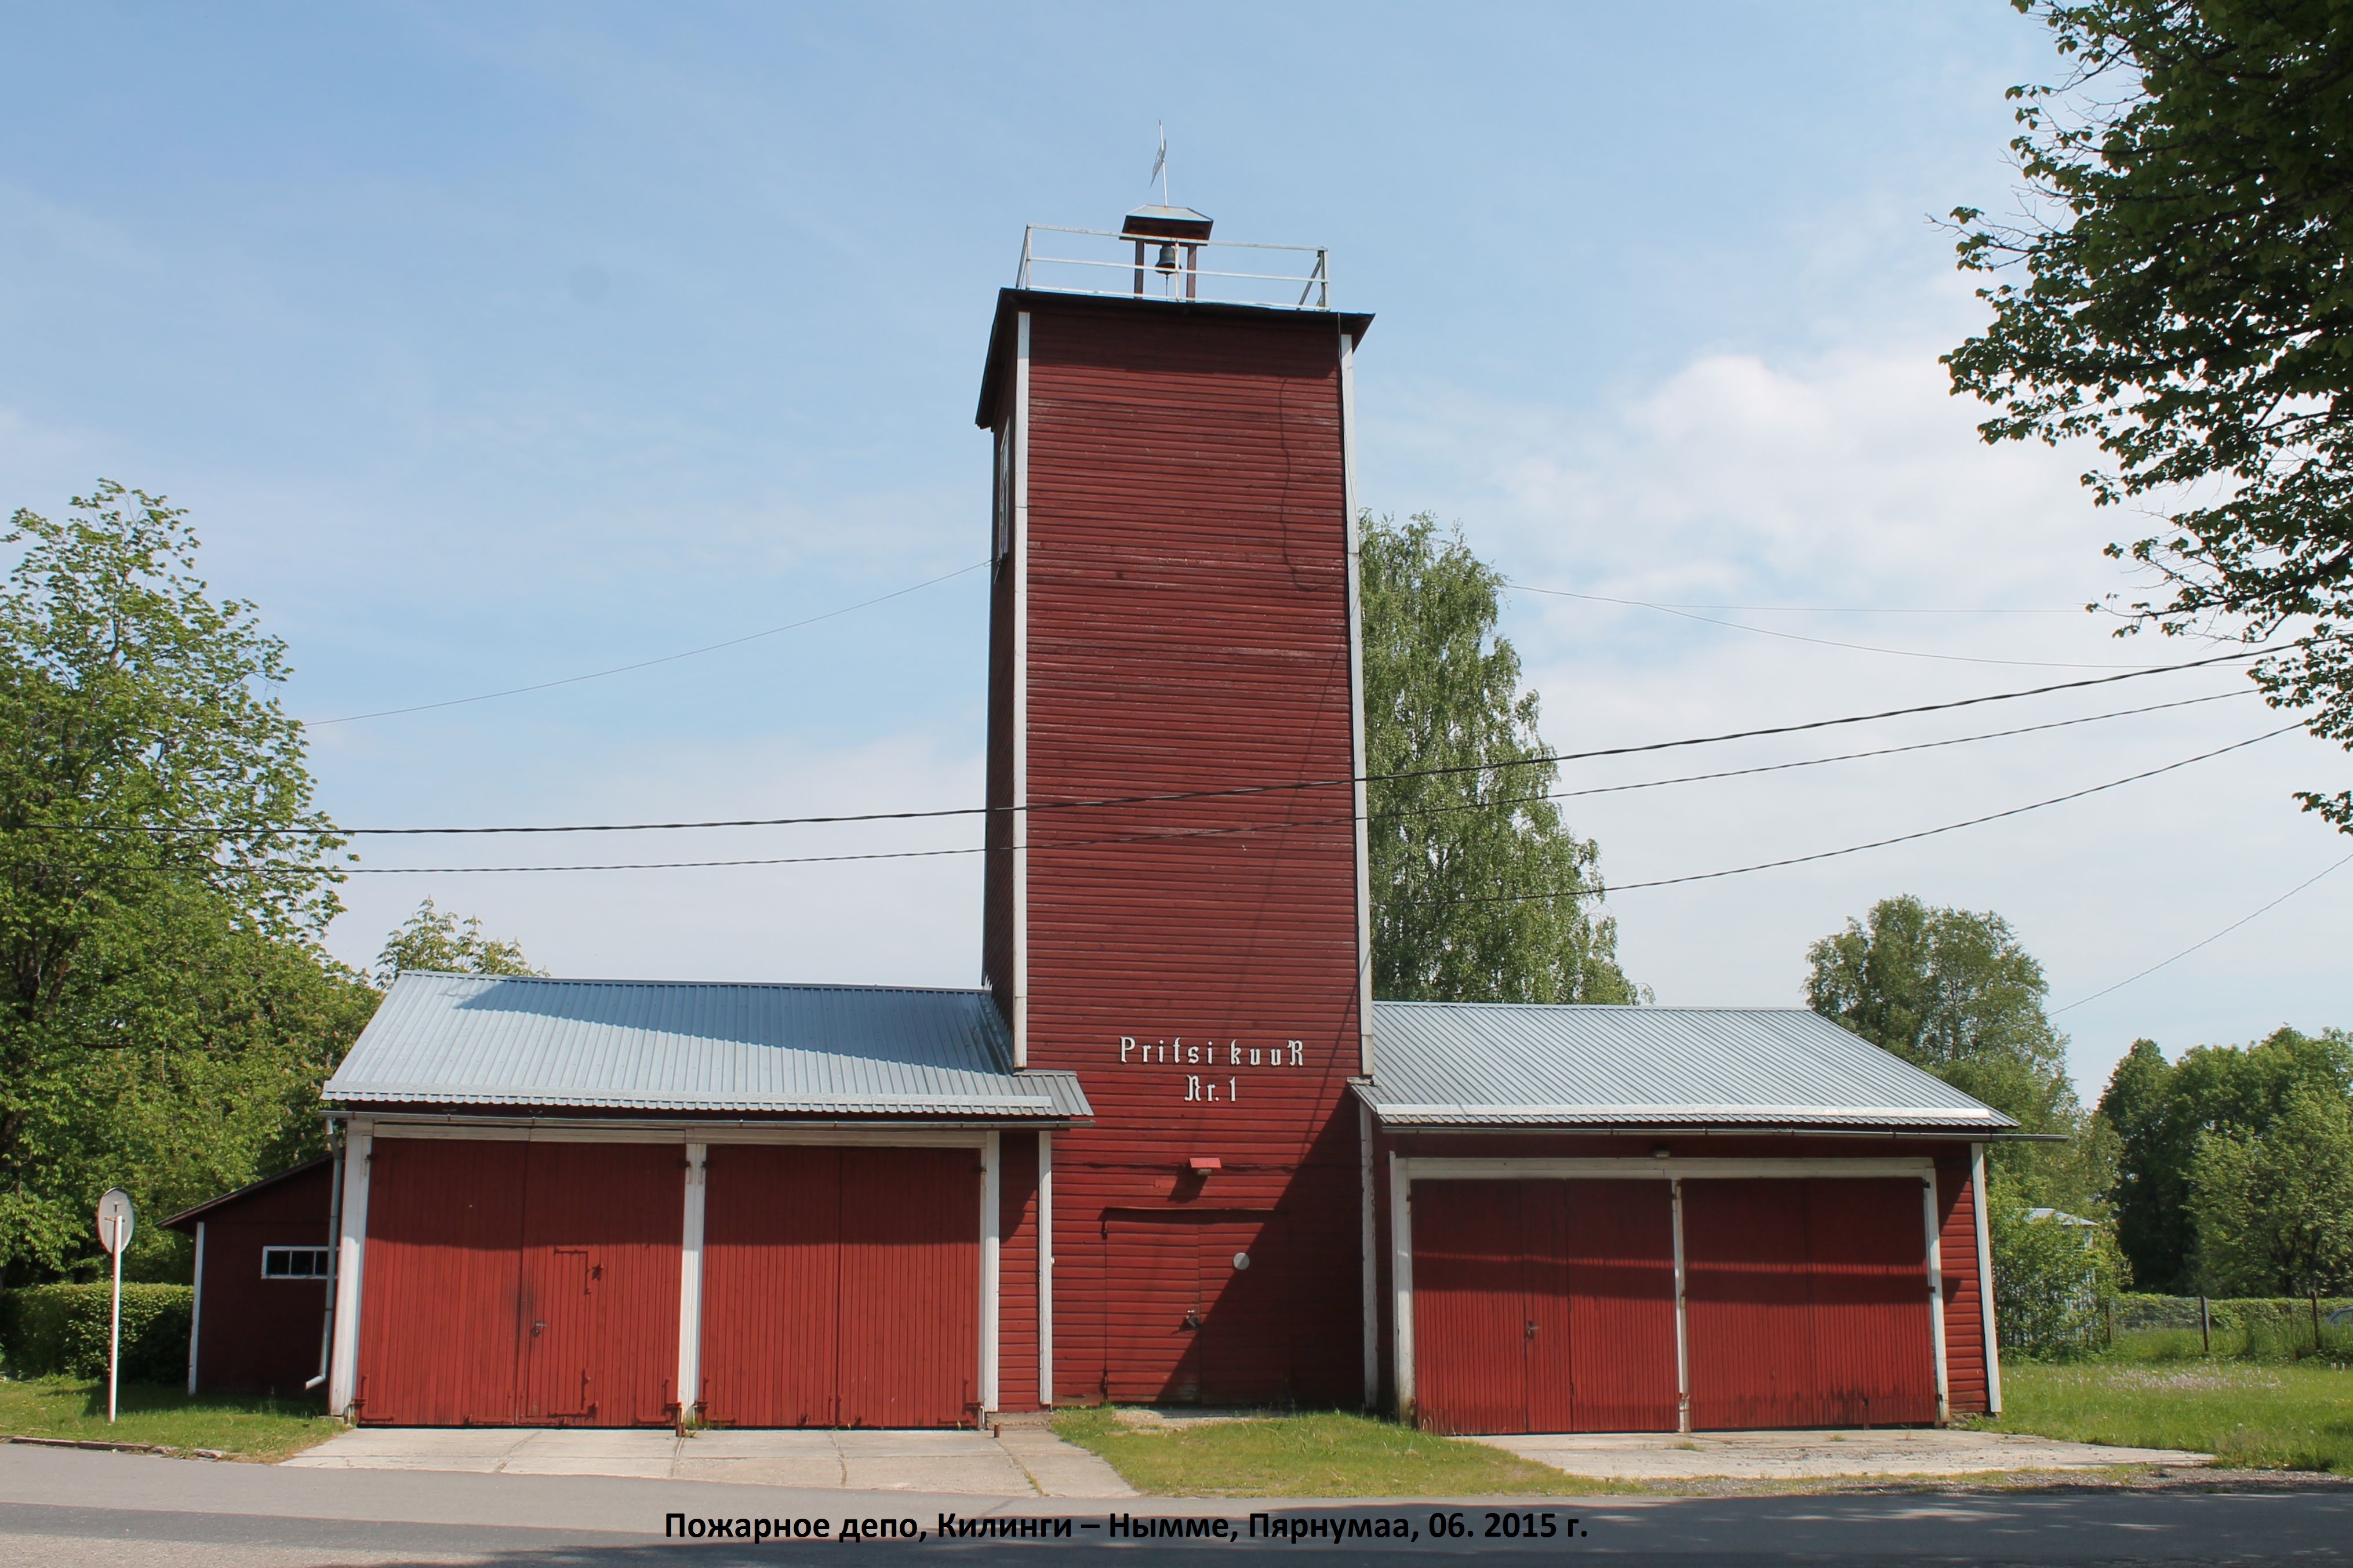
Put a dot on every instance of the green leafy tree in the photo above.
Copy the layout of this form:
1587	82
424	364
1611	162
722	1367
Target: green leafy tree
2050	1278
2274	1209
163	877
1481	894
2163	1112
1955	991
435	939
2177	296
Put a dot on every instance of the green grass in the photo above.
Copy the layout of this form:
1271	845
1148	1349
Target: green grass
1324	1454
2294	1416
248	1429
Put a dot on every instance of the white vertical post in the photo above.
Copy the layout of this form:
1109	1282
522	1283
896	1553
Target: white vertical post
1935	1293
1356	707
1367	1247
690	1283
114	1334
1985	1279
1401	1284
988	1290
1046	1269
1682	1329
196	1308
1020	566
351	1248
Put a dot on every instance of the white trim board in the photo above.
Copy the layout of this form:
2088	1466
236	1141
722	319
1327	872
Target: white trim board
678	1132
1509	1168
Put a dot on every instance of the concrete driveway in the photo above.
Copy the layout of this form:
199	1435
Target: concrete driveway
1024	1461
1814	1455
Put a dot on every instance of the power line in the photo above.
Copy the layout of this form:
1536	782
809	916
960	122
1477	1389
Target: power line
2194	946
1598	890
1603	891
1173	796
649	663
1815	762
1688	613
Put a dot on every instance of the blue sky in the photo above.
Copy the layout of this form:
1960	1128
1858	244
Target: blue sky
490	345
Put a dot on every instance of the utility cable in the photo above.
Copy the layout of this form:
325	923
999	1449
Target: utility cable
2194	946
1036	807
1498	766
1604	890
649	663
1826	642
1597	891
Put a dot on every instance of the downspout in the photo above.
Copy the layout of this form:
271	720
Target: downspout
334	1254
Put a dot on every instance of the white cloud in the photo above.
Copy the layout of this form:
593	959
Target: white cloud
1851	479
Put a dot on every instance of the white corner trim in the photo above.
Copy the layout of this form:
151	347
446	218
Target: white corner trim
689	1282
196	1309
1353	541
1985	1279
1021	792
990	1296
1401	1284
1683	1316
1936	1294
351	1256
1046	1269
1368	1249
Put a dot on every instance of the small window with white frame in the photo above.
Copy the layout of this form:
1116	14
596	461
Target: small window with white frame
295	1262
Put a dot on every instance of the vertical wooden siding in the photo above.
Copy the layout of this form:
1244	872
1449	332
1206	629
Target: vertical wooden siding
600	1266
521	1282
1807	1303
841	1287
771	1285
1620	1279
1544	1306
438	1310
1189	631
1964	1361
1469	1308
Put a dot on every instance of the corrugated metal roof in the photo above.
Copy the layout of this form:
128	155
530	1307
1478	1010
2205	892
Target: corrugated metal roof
473	1040
1500	1063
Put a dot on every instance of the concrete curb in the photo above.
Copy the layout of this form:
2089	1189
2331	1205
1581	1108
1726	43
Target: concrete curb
164	1449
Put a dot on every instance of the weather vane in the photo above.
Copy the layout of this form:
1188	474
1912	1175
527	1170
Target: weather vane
1160	164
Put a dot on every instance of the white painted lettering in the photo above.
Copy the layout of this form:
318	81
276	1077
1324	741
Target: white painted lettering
1126	1044
1193	1086
1253	1056
1296	1047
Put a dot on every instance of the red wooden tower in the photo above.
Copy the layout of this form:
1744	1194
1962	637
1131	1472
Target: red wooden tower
1176	902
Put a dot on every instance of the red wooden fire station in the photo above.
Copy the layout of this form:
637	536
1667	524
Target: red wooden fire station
1171	1150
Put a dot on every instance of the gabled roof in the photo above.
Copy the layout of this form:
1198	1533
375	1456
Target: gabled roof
473	1039
1440	1064
189	1215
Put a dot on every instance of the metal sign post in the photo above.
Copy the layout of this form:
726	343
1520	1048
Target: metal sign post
115	1219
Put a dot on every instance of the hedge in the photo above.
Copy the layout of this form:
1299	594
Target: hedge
49	1331
2274	1314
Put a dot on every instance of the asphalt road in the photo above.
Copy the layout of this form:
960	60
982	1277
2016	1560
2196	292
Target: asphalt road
63	1507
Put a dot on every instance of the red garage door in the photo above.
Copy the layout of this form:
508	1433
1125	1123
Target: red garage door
520	1283
841	1287
1544	1306
1195	1311
1807	1303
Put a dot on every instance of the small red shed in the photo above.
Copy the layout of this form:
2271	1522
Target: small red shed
264	1257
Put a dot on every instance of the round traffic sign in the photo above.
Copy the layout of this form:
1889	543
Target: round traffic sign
115	1219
